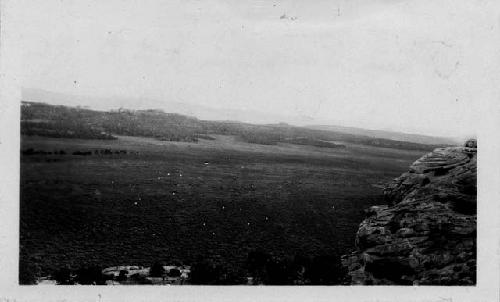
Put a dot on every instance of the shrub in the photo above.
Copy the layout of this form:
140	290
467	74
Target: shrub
139	279
90	275
122	276
325	270
63	276
174	273
205	272
157	270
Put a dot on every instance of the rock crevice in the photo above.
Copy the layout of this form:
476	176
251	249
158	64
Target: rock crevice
426	234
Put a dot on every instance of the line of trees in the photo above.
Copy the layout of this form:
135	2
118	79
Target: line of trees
263	268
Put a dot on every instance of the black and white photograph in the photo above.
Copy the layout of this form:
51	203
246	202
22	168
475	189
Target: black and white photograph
157	149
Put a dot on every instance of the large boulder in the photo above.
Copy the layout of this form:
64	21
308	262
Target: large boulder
427	232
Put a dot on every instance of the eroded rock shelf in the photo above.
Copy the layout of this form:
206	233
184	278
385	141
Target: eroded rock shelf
426	234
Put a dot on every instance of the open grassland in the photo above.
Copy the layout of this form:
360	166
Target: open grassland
179	201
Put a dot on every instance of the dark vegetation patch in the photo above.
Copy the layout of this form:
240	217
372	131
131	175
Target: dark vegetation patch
31	151
294	269
313	142
64	128
259	268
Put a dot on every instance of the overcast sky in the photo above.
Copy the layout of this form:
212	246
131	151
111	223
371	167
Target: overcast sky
416	66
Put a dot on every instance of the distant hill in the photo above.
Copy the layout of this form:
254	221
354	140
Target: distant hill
392	135
184	108
216	114
75	122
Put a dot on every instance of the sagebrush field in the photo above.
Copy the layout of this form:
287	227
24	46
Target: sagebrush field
179	202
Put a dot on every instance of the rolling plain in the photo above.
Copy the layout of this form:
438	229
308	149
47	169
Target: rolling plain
179	202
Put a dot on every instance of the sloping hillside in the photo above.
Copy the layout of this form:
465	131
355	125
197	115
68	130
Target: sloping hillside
393	135
73	122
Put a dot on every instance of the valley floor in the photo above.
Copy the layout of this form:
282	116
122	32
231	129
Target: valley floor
179	202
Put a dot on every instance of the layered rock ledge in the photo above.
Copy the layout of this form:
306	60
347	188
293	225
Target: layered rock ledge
426	234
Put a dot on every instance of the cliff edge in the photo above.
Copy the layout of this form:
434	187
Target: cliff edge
426	234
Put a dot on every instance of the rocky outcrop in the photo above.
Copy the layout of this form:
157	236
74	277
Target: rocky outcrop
426	234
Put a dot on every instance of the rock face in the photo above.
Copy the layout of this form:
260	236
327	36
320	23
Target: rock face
427	233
